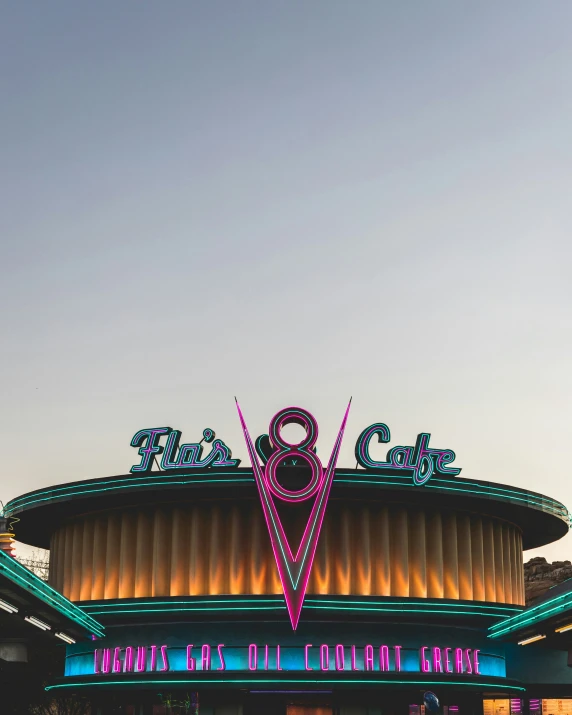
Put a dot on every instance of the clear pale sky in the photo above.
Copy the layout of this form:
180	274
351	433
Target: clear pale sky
292	202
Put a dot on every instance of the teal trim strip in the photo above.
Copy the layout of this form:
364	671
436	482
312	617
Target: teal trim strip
462	485
73	489
406	603
537	614
239	604
206	609
174	604
408	610
243	476
23	577
246	680
458	484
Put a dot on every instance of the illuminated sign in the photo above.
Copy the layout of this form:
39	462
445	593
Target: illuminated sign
176	456
323	657
421	461
295	569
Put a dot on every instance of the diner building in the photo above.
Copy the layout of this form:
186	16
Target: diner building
193	584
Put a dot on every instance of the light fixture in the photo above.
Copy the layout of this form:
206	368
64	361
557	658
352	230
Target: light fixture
39	624
562	629
63	637
532	639
4	605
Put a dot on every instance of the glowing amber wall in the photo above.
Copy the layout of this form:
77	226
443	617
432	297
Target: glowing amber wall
217	548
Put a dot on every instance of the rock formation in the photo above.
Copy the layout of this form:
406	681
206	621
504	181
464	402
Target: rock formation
539	576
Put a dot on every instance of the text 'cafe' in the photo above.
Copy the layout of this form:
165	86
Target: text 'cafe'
294	585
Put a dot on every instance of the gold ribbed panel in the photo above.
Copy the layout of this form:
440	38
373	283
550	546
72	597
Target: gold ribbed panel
219	548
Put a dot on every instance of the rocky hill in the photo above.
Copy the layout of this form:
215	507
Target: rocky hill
539	576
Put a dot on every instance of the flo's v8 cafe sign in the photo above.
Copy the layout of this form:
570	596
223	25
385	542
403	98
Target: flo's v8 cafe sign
271	451
419	461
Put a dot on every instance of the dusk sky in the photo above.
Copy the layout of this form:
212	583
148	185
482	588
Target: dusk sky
292	202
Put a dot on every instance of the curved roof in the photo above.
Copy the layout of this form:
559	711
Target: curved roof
27	595
545	615
541	519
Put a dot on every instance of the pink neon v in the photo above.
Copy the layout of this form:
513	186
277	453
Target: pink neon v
294	571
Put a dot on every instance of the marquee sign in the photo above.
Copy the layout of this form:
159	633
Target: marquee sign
307	657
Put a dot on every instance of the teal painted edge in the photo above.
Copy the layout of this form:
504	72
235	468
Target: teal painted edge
240	604
529	616
208	477
93	486
246	680
24	578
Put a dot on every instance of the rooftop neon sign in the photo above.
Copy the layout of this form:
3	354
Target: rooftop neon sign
294	570
419	461
176	456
